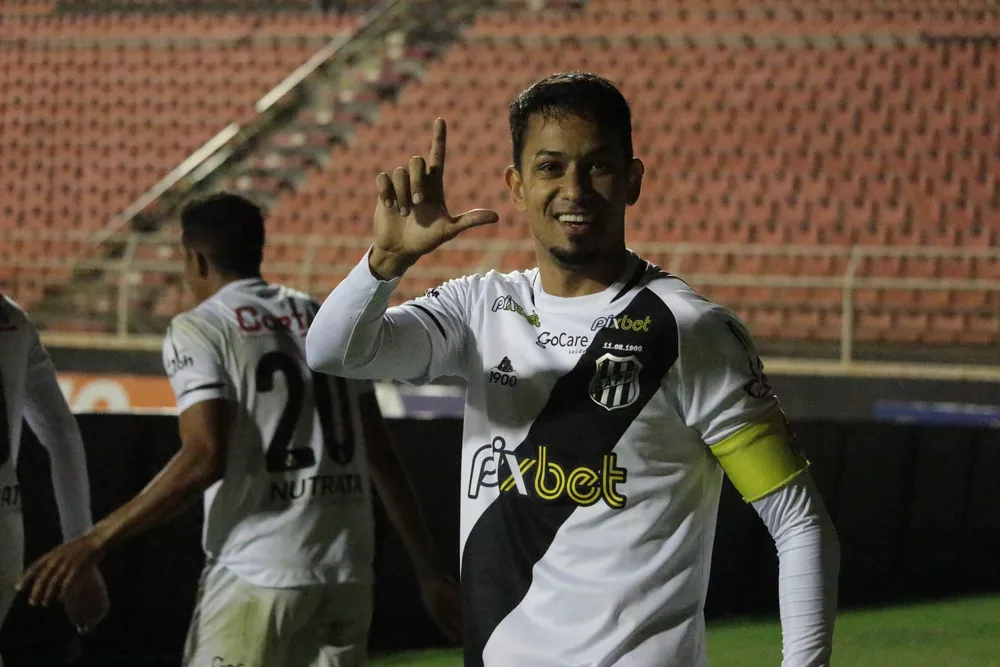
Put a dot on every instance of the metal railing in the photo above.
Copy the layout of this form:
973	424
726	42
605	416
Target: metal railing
125	272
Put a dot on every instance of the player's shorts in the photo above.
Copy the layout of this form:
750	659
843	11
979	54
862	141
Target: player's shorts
238	624
11	560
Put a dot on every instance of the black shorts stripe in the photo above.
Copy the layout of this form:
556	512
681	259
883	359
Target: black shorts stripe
516	530
433	317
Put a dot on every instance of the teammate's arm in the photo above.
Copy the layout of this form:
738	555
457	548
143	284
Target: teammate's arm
53	423
353	335
440	594
55	427
193	363
726	397
194	468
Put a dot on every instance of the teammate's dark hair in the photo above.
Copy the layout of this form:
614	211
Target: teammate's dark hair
576	93
229	229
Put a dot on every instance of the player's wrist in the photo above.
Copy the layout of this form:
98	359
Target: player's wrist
389	265
102	537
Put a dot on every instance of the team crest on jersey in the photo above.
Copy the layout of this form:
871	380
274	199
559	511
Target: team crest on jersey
615	384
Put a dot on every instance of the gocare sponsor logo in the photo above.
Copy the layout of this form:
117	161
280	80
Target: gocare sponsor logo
252	320
548	339
508	303
544	478
621	323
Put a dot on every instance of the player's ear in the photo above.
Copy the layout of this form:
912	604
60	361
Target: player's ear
636	169
516	187
201	263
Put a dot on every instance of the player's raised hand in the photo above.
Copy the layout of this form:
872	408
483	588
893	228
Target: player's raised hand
411	218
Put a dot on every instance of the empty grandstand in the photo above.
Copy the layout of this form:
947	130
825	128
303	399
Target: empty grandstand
826	169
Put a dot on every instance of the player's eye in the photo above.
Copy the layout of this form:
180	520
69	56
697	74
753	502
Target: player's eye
549	167
601	166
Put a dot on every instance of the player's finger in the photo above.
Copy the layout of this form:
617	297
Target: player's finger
401	183
69	578
438	145
418	174
52	585
43	572
25	583
386	193
474	218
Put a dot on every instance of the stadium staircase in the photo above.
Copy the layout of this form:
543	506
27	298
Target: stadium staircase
266	156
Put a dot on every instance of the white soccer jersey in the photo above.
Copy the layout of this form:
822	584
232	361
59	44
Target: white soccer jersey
293	507
590	491
20	349
30	392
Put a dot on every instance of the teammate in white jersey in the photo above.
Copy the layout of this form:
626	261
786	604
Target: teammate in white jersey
283	457
30	391
605	400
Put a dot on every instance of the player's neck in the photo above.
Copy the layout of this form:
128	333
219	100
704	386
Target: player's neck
568	282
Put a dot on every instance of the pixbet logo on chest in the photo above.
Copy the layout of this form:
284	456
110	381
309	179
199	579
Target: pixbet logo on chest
621	323
541	477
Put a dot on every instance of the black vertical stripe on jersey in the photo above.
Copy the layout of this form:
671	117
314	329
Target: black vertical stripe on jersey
515	531
640	271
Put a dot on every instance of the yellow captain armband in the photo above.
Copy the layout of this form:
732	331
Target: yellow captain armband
761	457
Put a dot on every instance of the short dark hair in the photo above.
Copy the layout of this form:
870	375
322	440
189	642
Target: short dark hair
229	229
576	93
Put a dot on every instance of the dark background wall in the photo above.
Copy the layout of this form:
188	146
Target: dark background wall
917	509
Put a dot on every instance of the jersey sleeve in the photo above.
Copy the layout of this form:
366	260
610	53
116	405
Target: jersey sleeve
193	362
53	423
726	397
444	313
356	334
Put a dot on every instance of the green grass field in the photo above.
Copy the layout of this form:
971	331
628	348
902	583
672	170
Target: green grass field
955	633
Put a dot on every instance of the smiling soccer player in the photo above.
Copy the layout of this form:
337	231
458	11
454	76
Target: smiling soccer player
593	454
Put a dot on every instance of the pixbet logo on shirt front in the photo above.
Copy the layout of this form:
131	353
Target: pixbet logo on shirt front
508	303
621	323
549	481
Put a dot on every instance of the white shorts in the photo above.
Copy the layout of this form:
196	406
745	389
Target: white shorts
11	561
238	624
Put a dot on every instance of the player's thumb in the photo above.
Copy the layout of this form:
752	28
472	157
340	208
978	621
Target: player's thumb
475	218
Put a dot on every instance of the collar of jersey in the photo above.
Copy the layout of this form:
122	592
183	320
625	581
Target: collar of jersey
595	301
240	284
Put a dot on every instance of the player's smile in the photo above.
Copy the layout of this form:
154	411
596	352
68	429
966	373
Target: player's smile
578	220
